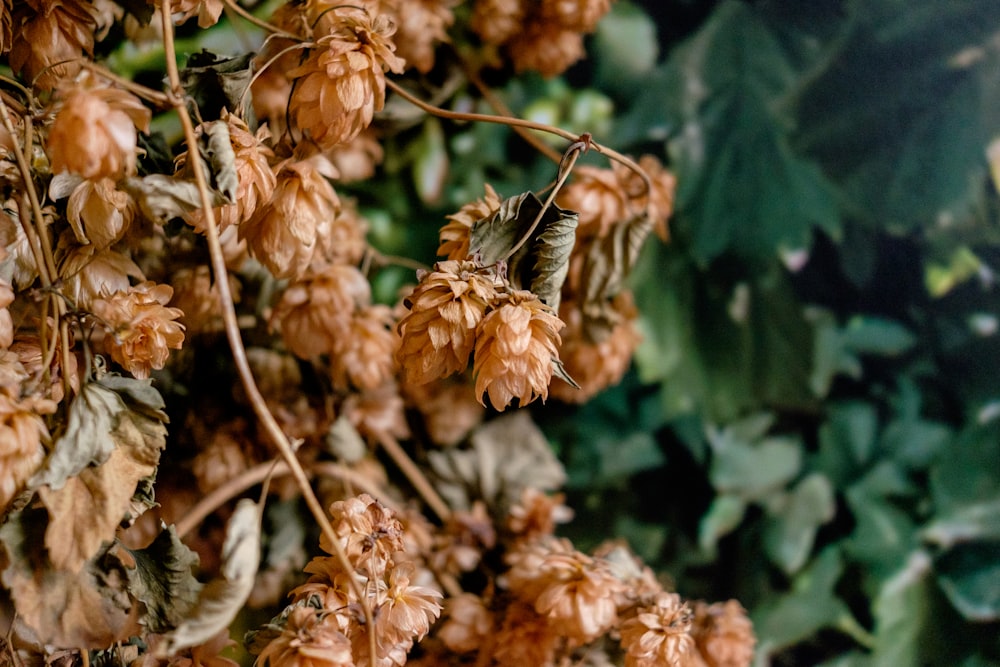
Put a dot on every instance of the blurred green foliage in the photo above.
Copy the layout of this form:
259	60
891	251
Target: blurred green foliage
813	422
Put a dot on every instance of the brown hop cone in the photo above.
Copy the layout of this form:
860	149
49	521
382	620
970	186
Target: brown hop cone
50	32
197	297
6	322
659	634
545	49
6	27
596	365
253	169
314	313
421	25
285	233
88	273
438	334
345	238
598	196
455	234
22	429
143	330
525	638
576	593
659	200
378	412
723	633
579	15
496	21
208	11
356	159
98	213
467	623
517	344
448	407
364	355
94	133
342	83
311	638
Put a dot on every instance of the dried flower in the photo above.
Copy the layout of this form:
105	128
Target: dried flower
525	638
342	83
208	11
310	639
543	49
6	27
455	234
421	25
438	334
285	233
659	634
99	213
575	592
257	181
723	634
448	406
496	21
94	133
378	412
356	159
596	365
516	346
51	32
143	328
597	195
315	313
197	297
28	349
368	531
6	323
466	536
467	623
345	242
89	273
363	356
579	15
537	514
22	431
408	611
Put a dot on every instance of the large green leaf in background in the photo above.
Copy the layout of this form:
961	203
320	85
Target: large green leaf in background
902	111
718	100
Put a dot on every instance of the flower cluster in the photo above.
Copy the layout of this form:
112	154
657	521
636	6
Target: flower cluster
326	623
460	309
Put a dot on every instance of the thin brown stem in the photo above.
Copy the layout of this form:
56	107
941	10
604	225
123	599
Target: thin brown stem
610	153
380	260
155	96
257	474
260	23
416	477
565	168
267	420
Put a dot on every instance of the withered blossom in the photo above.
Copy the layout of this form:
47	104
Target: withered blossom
51	37
363	357
99	213
454	235
208	11
723	634
517	344
420	26
659	634
94	132
285	233
341	84
310	639
467	623
22	431
143	329
439	332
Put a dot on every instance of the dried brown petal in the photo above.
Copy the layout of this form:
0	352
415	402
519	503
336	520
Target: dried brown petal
517	345
421	25
467	623
363	357
143	328
57	31
455	234
496	21
342	83
659	634
723	633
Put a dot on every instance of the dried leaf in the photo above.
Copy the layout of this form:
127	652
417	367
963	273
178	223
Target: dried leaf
163	198
107	454
88	441
90	608
217	148
507	455
542	262
222	598
608	264
215	82
163	580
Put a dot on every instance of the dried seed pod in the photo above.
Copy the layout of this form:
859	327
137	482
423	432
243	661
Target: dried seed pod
142	326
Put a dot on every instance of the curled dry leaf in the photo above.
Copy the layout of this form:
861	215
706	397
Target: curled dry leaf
215	82
507	455
164	582
88	482
541	264
220	599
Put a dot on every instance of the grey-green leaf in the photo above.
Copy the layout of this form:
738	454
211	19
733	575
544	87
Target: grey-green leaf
163	579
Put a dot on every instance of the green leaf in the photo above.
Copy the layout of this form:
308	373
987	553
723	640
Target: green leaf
790	530
811	606
164	581
877	335
847	439
969	575
431	164
915	443
967	472
752	470
900	113
980	521
883	534
625	48
718	98
902	611
723	517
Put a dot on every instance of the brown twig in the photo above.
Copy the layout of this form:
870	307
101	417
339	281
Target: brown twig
257	474
416	477
267	420
610	153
